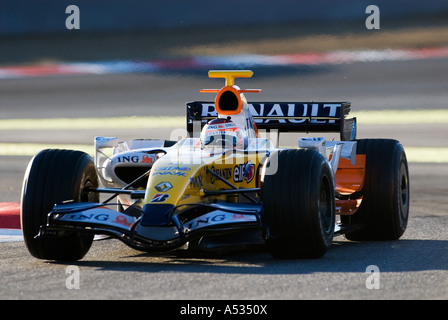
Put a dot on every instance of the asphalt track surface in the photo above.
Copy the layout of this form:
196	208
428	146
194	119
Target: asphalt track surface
414	267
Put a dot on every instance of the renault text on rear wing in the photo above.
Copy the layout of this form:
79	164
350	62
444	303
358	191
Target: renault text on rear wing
286	116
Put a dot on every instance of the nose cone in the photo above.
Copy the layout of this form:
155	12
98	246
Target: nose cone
167	181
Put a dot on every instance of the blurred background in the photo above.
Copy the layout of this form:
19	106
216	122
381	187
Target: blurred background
35	31
147	58
133	61
152	50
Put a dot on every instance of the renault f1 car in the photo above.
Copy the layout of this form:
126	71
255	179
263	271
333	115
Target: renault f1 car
225	185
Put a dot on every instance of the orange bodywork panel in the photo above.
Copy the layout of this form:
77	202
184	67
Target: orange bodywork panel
350	179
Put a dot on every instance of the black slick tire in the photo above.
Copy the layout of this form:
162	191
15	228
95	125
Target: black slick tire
384	210
298	203
55	176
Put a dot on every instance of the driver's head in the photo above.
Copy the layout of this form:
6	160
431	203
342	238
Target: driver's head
222	133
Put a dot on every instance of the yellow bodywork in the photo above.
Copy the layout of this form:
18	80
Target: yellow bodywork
230	75
188	176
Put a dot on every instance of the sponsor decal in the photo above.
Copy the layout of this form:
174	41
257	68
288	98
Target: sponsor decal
196	182
220	126
243	172
237	216
100	215
171	171
226	173
160	197
218	217
163	186
149	159
88	217
173	168
287	113
129	159
122	220
137	159
185	196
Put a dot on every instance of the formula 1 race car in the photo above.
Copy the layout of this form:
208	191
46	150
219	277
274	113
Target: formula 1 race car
225	185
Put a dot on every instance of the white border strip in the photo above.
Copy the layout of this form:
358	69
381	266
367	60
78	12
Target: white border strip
11	235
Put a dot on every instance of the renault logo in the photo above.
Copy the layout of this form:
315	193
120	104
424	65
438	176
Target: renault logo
163	186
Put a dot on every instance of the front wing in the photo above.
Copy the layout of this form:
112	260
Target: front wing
100	218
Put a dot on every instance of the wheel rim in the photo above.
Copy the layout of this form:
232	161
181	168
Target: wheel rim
325	207
404	192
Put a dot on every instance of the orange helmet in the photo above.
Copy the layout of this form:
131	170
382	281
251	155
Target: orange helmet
222	133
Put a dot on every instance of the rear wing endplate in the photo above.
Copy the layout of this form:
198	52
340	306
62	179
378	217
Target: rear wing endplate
285	117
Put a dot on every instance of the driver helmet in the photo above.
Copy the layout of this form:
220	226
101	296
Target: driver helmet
222	133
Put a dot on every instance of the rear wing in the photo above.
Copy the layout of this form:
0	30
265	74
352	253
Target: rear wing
285	117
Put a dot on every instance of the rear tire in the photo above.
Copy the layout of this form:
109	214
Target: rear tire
299	204
384	210
54	176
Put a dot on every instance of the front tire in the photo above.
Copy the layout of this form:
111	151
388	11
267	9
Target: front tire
54	176
299	204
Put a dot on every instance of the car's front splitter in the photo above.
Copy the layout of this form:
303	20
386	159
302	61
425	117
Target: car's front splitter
100	218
